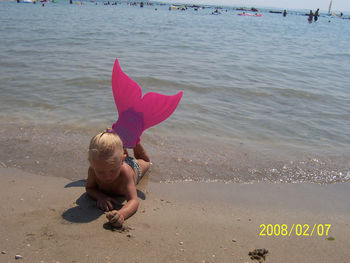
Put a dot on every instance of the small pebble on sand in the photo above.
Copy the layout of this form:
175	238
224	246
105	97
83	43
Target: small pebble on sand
18	256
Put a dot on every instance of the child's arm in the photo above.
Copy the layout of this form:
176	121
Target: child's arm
104	202
117	217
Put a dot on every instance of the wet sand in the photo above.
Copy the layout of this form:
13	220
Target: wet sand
60	150
51	219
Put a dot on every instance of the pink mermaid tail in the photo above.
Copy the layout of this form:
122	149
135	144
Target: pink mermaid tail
137	114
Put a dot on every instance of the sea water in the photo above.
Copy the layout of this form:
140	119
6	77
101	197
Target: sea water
265	98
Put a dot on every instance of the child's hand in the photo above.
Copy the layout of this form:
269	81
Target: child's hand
105	203
115	218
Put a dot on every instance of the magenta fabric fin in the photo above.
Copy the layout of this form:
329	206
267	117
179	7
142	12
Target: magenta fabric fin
137	114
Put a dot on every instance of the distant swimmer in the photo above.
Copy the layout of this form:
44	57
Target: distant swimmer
285	12
311	15
316	15
216	12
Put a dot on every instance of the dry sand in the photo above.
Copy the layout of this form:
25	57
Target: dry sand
50	219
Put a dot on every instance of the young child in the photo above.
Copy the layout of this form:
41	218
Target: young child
112	172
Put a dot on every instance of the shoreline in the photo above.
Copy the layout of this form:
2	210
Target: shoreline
62	152
50	219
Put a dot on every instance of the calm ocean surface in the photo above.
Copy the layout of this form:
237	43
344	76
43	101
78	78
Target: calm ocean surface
265	98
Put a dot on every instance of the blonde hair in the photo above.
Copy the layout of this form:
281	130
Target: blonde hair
106	146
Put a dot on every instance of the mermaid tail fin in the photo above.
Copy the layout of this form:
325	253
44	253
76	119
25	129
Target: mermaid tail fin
137	114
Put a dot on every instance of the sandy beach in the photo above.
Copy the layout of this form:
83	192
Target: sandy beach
256	155
50	219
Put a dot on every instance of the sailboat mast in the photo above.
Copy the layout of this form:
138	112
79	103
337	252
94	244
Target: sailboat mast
330	7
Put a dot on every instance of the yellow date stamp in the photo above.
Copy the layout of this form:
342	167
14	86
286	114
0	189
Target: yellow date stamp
300	230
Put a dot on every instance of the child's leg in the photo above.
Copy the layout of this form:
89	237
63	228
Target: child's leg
140	153
126	152
142	158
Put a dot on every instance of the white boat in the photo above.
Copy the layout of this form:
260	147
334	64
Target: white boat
26	1
331	13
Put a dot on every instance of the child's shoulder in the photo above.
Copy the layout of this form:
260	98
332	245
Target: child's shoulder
127	172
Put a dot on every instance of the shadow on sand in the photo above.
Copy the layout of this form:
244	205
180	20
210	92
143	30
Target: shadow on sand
79	183
86	210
